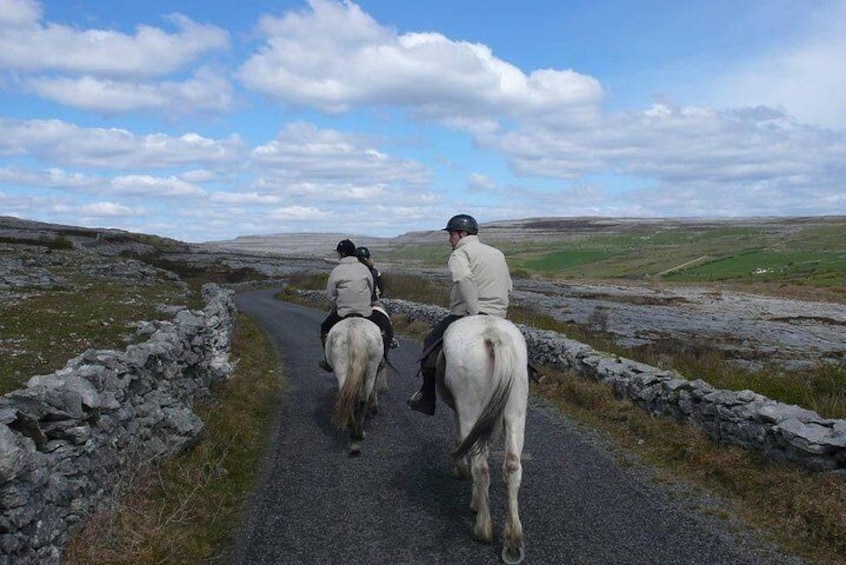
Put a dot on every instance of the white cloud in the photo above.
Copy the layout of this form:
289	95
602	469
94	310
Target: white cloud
52	177
335	57
198	175
304	155
109	71
679	144
106	210
242	198
145	185
28	45
482	183
297	213
205	91
111	148
18	13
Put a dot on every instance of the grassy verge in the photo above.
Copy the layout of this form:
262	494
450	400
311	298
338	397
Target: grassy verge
187	510
802	511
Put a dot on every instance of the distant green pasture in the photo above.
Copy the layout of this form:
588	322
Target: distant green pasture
790	252
561	260
768	265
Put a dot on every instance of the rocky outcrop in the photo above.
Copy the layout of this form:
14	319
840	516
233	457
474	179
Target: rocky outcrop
752	331
744	418
68	438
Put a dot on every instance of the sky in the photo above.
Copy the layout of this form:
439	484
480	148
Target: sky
204	121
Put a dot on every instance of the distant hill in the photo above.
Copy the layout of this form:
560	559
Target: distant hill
528	230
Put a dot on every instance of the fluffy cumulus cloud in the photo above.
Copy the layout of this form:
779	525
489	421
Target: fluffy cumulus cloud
105	210
111	71
326	164
693	161
57	141
205	90
336	57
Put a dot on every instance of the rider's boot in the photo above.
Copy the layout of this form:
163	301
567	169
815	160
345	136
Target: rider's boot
423	400
323	363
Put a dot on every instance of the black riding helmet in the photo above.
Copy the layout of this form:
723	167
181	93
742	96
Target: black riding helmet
346	248
462	222
362	253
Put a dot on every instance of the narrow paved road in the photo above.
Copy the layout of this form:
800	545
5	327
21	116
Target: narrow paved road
399	504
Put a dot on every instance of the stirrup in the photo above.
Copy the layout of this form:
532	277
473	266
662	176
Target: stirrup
419	403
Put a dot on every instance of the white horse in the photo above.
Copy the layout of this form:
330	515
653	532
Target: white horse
483	377
354	350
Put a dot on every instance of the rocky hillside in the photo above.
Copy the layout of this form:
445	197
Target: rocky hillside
533	230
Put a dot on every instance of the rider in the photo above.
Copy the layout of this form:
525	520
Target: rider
481	284
380	315
366	259
349	289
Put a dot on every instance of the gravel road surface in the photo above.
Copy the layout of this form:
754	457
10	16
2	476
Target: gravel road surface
399	503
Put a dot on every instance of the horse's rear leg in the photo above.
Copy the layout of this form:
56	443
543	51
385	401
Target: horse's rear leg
380	384
373	403
483	529
357	428
462	465
512	470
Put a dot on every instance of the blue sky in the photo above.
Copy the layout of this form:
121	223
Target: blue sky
203	120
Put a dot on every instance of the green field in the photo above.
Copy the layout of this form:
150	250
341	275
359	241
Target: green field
814	255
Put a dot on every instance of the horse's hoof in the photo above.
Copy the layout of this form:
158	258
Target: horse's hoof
512	557
355	449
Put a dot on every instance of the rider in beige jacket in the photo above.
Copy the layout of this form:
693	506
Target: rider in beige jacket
481	284
349	288
481	281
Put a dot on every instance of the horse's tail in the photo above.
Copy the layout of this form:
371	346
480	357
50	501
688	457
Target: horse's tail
502	354
351	393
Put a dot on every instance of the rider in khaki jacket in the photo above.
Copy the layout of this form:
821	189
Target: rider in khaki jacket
349	288
481	284
480	279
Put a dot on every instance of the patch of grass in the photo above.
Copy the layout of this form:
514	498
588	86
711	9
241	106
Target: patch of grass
58	242
308	280
43	330
400	285
823	268
802	510
559	260
821	388
187	510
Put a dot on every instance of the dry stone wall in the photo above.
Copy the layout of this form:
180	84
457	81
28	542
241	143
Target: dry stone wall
744	418
68	438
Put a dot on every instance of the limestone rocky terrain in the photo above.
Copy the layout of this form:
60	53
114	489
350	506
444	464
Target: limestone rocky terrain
752	329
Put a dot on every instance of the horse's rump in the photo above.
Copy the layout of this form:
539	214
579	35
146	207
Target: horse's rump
486	360
354	349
